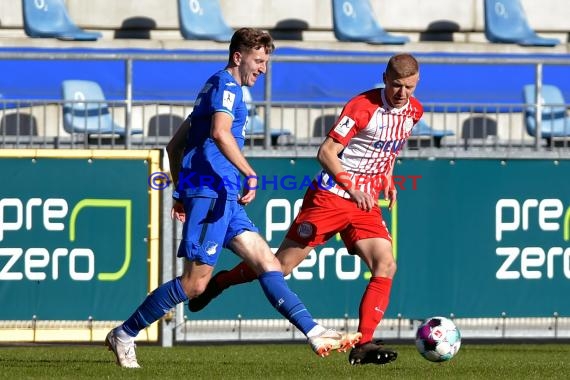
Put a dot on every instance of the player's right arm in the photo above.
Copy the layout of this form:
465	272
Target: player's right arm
175	152
328	158
175	149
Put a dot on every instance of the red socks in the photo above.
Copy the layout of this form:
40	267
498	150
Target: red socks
239	274
373	305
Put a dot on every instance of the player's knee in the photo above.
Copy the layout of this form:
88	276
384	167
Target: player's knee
193	288
286	271
194	292
385	267
391	269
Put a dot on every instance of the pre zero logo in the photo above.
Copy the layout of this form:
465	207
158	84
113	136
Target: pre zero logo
41	263
545	218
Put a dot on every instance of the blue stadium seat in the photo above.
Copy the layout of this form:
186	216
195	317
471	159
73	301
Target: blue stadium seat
86	111
555	121
423	129
203	20
353	21
49	18
255	126
506	22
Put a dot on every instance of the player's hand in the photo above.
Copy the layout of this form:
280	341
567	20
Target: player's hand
390	194
249	190
178	212
363	200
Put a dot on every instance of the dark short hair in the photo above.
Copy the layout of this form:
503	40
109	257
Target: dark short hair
249	38
402	65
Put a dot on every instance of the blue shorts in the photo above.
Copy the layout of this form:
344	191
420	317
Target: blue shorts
210	225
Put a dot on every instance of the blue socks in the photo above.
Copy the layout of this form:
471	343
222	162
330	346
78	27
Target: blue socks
285	301
170	294
156	304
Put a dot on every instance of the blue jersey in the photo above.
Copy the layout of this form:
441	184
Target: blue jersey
206	172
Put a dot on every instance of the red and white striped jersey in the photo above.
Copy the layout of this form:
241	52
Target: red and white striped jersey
373	134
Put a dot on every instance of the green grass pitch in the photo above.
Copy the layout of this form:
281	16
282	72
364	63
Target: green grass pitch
281	361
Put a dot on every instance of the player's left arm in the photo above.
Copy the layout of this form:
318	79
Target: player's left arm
222	135
390	192
175	149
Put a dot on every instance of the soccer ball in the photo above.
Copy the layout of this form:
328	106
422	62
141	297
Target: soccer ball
438	339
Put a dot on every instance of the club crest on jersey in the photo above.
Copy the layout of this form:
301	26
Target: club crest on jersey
228	101
408	124
344	125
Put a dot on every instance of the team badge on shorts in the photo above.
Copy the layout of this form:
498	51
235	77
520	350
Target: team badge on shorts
210	248
305	230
